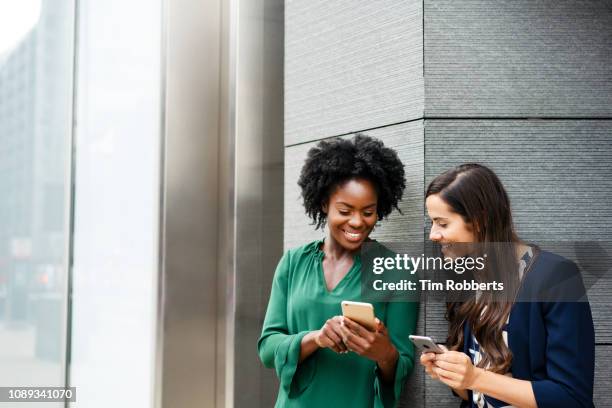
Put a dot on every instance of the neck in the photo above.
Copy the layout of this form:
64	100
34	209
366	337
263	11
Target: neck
333	250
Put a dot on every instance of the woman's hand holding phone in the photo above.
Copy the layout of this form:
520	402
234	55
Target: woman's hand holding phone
428	360
434	362
330	335
455	369
375	345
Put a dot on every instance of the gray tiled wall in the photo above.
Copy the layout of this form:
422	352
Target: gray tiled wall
518	58
351	65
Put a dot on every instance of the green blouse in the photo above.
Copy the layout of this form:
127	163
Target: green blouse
299	303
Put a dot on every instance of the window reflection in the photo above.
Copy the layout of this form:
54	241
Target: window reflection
35	126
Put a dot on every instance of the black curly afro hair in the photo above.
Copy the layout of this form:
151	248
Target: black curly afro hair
333	162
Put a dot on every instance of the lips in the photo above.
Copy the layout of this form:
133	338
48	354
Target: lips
353	236
446	248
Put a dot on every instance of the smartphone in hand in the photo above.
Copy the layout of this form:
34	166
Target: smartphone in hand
426	344
360	312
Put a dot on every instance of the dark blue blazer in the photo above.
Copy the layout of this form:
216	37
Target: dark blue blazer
551	334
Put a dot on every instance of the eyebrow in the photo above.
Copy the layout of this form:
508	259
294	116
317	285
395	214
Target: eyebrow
350	206
439	218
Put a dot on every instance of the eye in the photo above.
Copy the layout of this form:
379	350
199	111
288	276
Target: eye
368	213
344	212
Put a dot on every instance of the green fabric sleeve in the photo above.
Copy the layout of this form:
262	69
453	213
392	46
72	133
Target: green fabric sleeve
277	348
401	322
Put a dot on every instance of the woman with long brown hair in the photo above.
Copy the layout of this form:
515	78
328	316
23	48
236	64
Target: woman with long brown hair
522	350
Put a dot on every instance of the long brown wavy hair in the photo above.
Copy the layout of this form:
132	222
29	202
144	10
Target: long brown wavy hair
476	193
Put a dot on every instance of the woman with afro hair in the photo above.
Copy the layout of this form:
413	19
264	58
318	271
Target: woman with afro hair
321	358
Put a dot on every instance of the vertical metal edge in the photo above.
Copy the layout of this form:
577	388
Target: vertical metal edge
259	181
191	203
70	209
158	364
226	281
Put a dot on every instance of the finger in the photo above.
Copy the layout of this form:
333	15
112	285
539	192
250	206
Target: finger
447	374
445	365
337	327
325	341
333	346
380	326
358	342
355	343
432	375
334	331
452	357
356	328
329	343
359	330
354	347
428	357
449	382
336	339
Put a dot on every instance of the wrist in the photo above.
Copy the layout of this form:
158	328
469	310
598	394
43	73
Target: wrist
389	359
476	378
315	337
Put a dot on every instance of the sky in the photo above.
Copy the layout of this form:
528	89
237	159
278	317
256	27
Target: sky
17	18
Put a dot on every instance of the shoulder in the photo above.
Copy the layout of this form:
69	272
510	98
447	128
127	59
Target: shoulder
307	250
554	278
298	257
373	248
548	265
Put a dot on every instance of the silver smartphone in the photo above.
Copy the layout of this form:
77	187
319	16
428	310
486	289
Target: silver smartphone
426	344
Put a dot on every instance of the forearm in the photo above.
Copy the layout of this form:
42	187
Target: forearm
387	367
513	391
308	345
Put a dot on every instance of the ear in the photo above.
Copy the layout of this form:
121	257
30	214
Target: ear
324	208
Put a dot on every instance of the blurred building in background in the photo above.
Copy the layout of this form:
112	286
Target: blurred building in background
35	128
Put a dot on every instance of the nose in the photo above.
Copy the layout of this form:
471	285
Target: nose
356	221
434	234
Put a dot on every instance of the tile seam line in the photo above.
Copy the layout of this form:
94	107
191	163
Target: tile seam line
354	131
460	118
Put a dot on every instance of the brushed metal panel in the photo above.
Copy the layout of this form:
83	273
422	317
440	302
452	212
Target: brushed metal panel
407	140
558	174
189	245
518	58
259	170
351	65
225	313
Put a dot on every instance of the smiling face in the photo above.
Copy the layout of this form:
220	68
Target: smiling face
448	227
351	213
